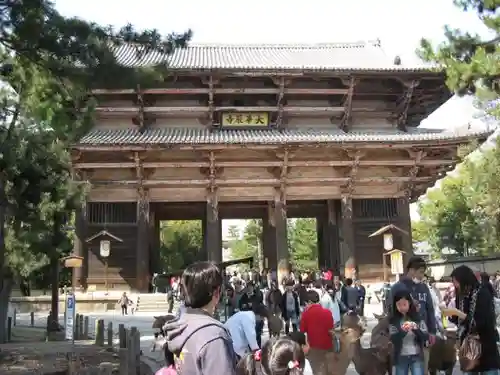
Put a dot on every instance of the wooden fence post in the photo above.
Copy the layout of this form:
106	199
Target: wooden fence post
32	319
99	332
131	345
110	334
137	352
122	335
123	356
105	368
9	329
80	327
86	327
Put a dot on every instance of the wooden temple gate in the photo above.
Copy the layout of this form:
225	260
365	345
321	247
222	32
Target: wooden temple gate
266	139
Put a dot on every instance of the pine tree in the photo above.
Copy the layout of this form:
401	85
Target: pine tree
472	63
47	64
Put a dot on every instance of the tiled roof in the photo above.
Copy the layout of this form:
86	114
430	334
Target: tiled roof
360	56
190	136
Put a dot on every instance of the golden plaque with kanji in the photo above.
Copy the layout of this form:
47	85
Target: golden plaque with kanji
236	119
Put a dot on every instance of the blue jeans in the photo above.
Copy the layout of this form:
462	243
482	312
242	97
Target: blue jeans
407	364
489	372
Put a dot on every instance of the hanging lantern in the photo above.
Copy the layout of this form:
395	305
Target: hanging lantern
388	241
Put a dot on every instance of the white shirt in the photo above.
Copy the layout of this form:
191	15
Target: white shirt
308	369
328	303
241	327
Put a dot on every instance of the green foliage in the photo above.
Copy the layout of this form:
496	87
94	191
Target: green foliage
447	220
181	243
463	214
472	64
303	244
248	243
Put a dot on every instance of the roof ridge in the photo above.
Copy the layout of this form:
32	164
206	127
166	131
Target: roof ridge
355	44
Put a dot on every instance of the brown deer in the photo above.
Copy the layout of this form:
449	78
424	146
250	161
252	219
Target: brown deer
275	324
374	360
158	323
347	336
443	354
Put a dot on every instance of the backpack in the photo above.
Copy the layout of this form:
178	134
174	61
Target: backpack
172	368
496	301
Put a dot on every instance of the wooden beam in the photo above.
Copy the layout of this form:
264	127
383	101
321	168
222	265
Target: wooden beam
382	145
267	164
403	105
202	109
225	91
258	181
346	121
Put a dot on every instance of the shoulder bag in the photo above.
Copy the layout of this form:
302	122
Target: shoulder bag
469	353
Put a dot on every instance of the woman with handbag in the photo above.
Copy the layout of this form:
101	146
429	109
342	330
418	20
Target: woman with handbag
475	316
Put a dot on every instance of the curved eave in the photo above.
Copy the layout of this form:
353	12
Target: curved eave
184	139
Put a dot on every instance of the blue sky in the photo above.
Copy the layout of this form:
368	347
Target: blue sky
398	24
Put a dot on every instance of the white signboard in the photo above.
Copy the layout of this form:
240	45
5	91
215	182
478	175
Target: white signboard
70	316
105	248
397	263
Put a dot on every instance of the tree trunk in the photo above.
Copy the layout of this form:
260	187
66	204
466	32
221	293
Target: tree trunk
7	284
6	281
54	302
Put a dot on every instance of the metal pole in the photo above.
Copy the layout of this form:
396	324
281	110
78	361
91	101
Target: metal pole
106	274
73	290
384	266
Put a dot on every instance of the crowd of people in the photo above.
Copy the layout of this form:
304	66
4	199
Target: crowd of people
197	343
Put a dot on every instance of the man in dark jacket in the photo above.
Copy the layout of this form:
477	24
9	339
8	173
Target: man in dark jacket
251	298
361	297
291	307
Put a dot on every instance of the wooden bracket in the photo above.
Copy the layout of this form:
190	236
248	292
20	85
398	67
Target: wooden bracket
281	82
346	121
417	156
212	190
403	105
270	214
142	119
211	102
346	205
355	156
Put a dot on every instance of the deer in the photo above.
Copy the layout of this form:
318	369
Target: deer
158	324
374	360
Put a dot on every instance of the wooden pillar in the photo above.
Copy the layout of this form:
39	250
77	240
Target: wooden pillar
269	243
212	232
348	236
143	237
404	222
80	247
331	233
320	235
155	243
280	230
